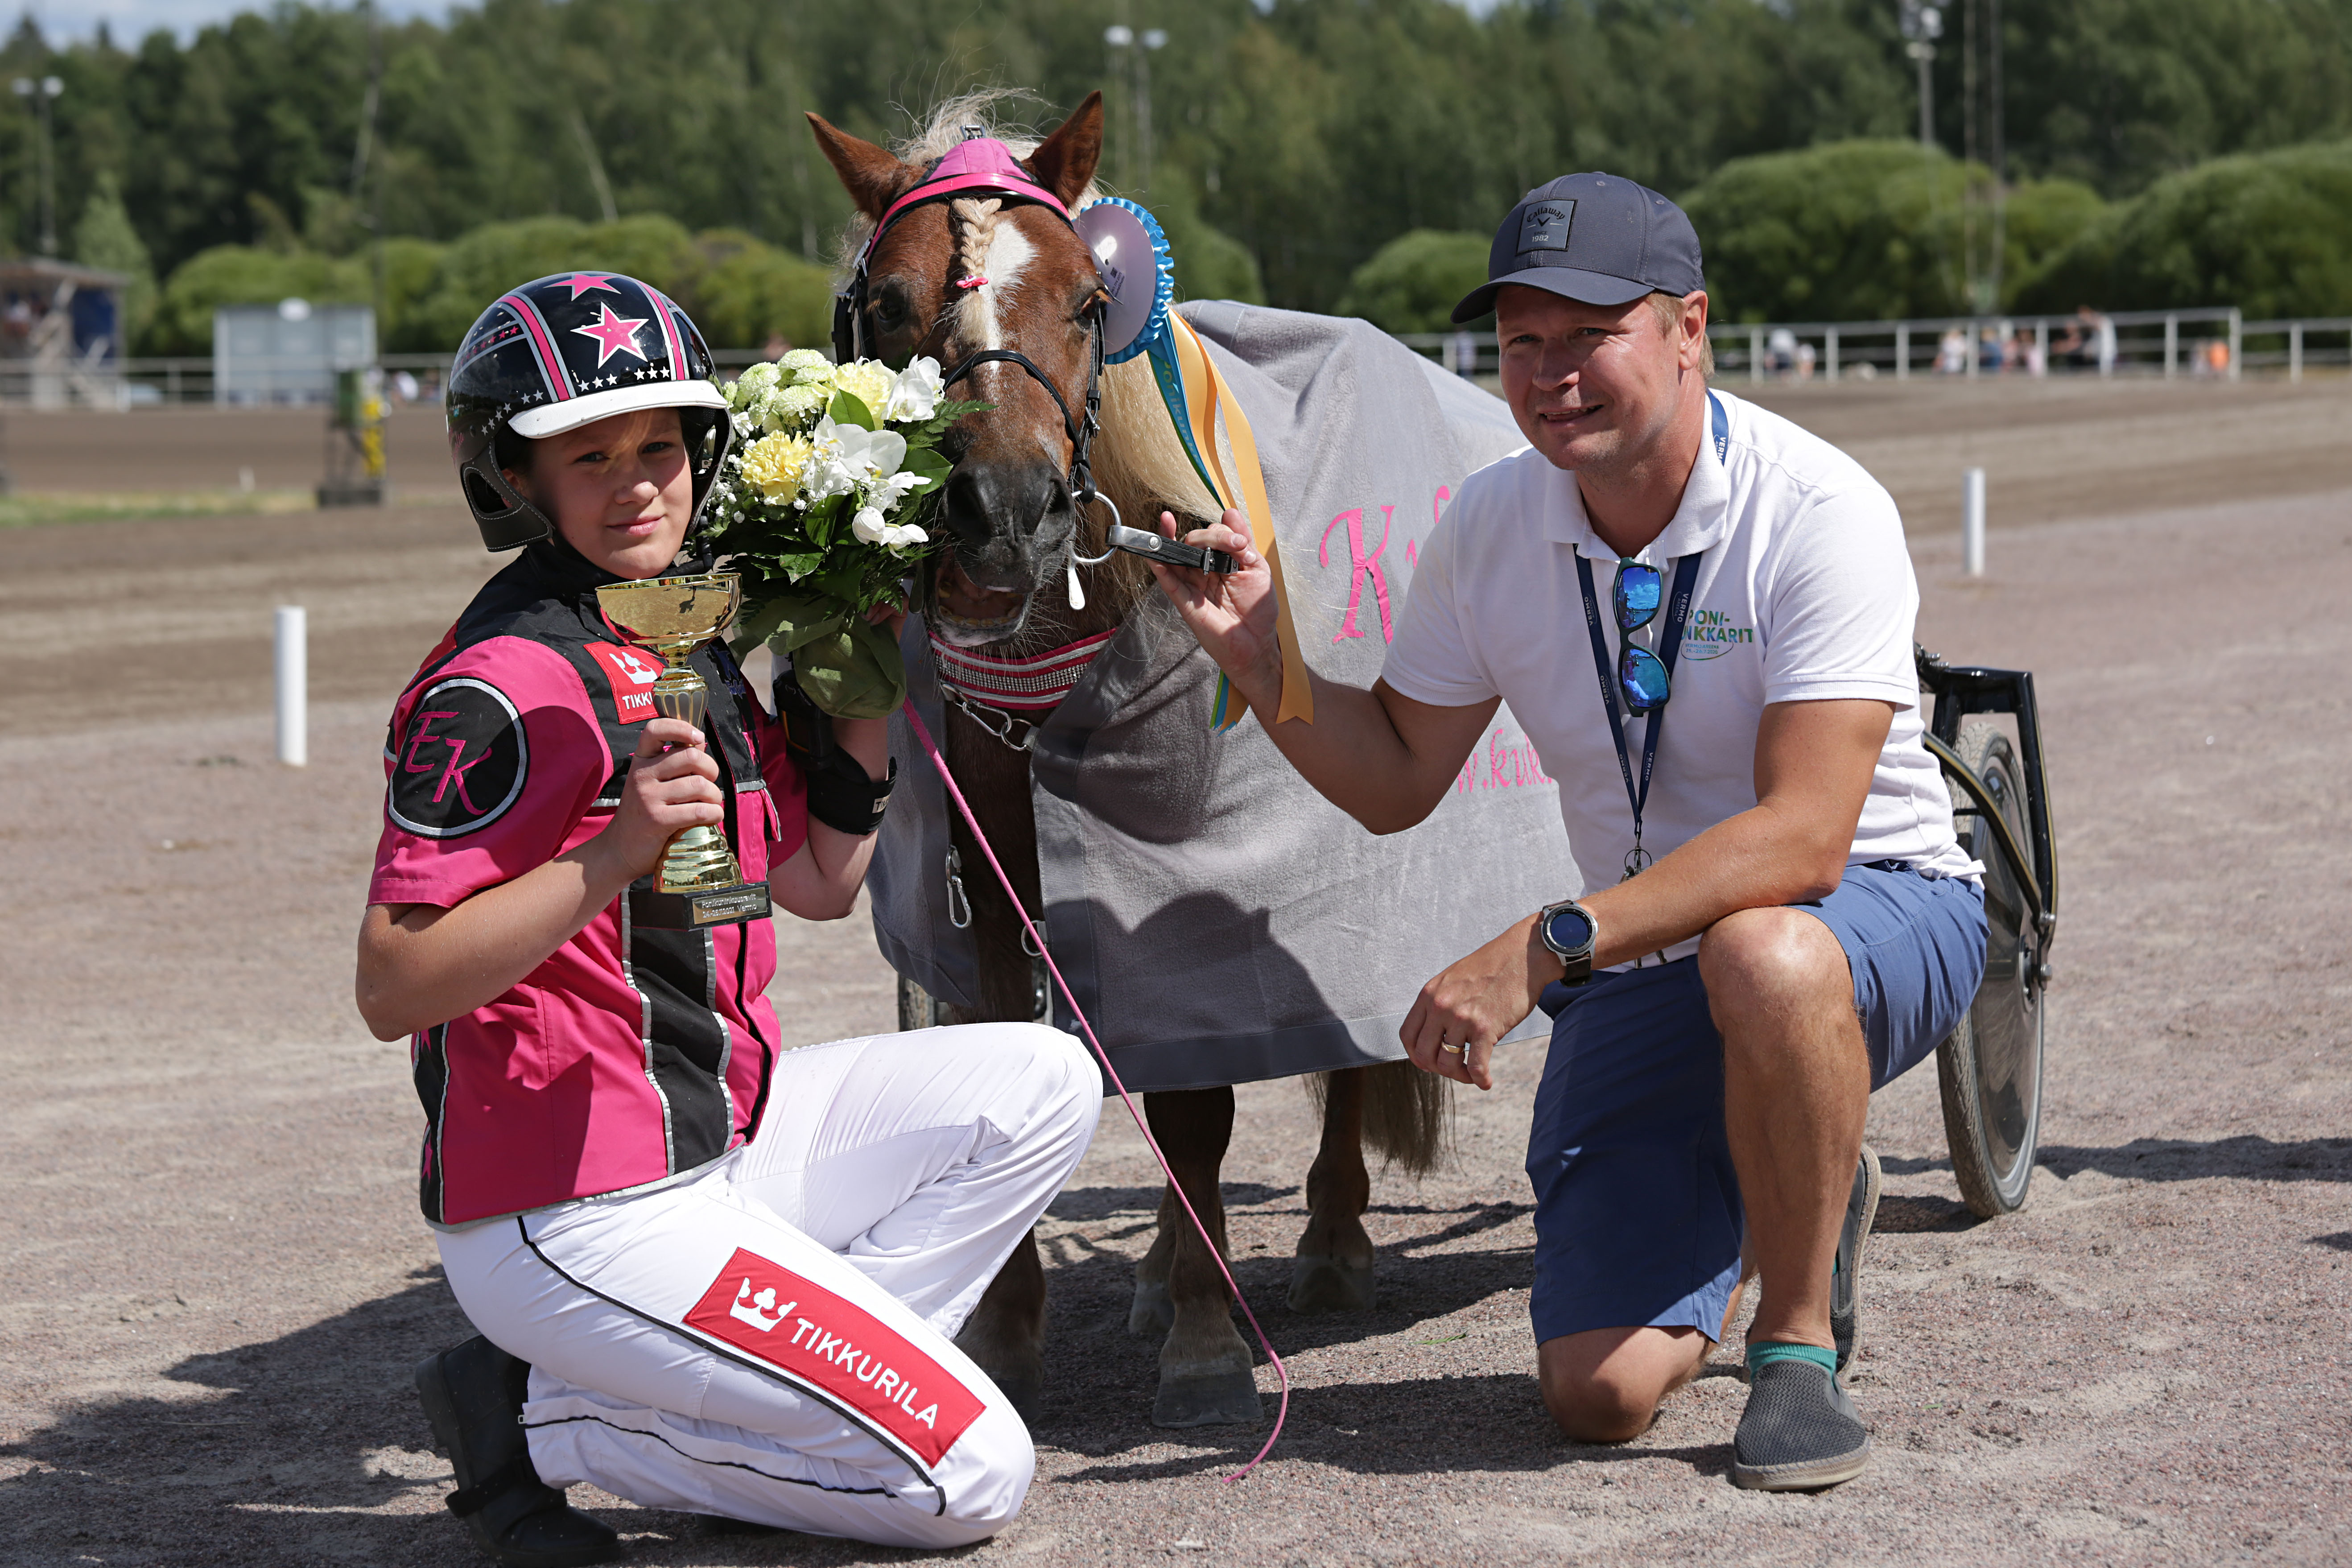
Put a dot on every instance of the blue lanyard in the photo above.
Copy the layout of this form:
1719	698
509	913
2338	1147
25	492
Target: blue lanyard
1670	642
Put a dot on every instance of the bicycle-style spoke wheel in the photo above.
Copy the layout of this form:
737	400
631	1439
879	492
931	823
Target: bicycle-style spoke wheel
1990	1066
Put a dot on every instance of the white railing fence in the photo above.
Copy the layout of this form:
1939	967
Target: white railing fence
2217	342
2212	342
143	383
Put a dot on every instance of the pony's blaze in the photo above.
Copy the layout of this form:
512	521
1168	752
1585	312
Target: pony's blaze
1008	504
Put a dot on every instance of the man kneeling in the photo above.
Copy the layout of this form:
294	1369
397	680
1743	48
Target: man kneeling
1810	926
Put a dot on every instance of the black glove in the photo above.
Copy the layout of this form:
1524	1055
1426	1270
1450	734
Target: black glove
840	794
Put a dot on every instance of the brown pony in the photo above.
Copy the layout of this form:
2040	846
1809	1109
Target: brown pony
1003	590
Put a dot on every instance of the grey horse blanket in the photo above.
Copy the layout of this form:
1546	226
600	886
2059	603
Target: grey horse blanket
1219	921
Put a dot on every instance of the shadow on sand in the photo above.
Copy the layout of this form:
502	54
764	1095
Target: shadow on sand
311	1449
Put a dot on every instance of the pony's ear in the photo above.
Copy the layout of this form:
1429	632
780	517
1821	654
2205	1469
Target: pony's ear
1065	162
869	173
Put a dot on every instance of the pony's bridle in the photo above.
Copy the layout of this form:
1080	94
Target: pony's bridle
982	166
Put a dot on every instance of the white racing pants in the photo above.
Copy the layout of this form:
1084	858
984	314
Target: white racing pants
769	1341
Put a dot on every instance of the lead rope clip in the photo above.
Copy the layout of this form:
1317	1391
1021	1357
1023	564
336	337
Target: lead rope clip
956	900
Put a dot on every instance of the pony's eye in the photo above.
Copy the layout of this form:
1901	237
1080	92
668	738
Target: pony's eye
890	310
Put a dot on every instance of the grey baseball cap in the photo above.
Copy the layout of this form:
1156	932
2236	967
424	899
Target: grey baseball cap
1596	238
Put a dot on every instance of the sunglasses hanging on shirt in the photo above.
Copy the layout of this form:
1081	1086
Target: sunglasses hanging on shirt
1642	676
1645	679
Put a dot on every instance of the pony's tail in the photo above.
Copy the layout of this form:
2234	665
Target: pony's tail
1408	1114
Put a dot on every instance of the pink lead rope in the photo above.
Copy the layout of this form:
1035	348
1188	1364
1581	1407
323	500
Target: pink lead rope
1037	939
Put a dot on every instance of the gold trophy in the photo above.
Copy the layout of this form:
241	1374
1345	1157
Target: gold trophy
699	883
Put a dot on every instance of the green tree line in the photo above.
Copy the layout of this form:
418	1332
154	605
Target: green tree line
1288	146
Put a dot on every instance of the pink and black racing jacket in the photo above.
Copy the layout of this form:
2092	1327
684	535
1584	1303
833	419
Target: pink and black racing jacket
632	1055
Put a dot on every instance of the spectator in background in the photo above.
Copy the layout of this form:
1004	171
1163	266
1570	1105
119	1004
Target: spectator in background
1805	362
777	347
2072	349
1952	353
1990	347
404	387
2026	353
2102	333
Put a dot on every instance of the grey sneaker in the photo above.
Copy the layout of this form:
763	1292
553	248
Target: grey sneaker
1799	1432
1846	1270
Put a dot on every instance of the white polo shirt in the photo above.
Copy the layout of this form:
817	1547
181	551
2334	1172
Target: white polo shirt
1804	594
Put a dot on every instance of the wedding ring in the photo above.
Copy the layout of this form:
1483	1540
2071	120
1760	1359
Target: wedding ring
1449	1050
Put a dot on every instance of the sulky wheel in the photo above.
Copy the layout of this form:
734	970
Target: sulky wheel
1990	1066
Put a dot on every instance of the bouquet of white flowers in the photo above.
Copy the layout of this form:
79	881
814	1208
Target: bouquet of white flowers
821	509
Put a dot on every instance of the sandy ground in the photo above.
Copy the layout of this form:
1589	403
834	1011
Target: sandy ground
216	1282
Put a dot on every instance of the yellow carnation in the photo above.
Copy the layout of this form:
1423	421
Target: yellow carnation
773	465
869	382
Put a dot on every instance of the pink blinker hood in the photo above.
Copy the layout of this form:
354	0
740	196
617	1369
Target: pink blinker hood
983	164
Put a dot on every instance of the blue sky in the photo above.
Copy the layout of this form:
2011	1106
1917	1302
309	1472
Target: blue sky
134	19
61	20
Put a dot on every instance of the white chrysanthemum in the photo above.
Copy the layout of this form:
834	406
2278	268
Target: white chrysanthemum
746	388
915	395
807	367
796	405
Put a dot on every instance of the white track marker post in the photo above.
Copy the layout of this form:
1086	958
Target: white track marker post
1972	522
293	687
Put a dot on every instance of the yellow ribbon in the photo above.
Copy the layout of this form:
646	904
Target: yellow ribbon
1206	395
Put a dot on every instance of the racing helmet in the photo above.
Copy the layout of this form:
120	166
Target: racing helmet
567	351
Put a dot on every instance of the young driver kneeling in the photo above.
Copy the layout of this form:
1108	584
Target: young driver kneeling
706	1276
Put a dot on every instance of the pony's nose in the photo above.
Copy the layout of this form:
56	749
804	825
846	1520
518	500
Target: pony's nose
996	501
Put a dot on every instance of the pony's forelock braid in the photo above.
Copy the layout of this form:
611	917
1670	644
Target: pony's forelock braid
976	231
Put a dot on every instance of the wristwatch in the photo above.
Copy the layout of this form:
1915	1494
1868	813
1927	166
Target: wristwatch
1567	928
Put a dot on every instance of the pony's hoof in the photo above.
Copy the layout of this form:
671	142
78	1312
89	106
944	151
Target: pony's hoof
1024	1391
1227	1398
1151	1314
1019	1378
1330	1285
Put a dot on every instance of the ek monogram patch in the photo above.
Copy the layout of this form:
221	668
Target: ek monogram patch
462	761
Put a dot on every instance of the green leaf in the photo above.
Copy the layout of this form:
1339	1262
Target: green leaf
933	468
823	520
849	409
949	411
852	670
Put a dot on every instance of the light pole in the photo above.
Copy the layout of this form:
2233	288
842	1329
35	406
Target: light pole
1116	38
43	93
1119	37
1153	40
1922	26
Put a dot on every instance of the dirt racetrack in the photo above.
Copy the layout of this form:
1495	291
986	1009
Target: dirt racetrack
215	1282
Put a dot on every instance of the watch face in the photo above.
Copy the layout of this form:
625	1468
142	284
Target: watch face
1569	930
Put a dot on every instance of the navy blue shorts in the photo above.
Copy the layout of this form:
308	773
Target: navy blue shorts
1638	1219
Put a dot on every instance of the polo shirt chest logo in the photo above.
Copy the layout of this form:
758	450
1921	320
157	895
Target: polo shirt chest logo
1714	632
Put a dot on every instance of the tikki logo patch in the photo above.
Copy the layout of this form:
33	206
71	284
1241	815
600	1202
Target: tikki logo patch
462	761
816	1338
1544	227
632	675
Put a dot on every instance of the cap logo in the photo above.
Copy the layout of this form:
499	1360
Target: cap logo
1544	227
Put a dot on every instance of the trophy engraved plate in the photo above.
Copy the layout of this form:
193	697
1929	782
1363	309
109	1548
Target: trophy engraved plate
699	883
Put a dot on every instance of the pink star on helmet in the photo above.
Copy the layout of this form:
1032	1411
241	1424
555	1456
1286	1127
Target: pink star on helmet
589	283
614	335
